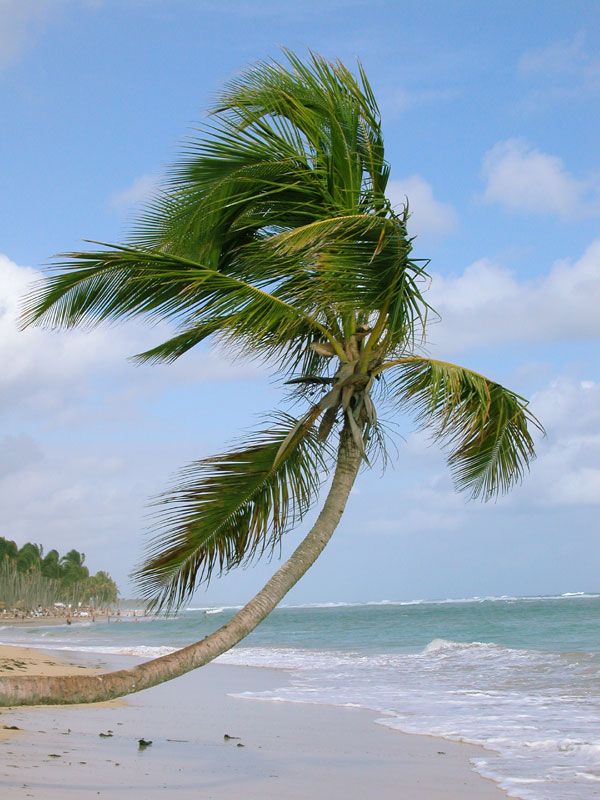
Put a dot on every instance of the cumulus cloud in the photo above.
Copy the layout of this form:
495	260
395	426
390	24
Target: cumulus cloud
567	471
522	178
488	304
141	189
41	368
51	372
429	216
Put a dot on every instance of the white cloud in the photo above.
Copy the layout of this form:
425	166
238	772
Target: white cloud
140	190
523	178
564	70
487	304
429	217
50	372
567	57
569	406
567	471
42	369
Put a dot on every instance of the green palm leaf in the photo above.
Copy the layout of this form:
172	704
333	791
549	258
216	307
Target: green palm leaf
484	425
286	197
229	509
124	281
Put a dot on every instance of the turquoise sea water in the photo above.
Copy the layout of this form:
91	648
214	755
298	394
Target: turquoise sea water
520	676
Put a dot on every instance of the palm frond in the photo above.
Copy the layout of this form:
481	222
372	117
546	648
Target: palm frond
320	109
171	349
353	265
485	426
122	282
230	509
283	193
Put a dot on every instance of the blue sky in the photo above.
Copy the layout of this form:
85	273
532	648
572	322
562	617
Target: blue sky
491	126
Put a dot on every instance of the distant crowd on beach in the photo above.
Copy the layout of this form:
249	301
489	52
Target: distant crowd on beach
62	611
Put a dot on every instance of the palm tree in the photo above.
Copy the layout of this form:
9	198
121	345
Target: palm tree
30	557
273	236
72	569
51	565
101	589
8	550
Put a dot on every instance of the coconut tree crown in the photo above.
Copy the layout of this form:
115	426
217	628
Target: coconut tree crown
273	236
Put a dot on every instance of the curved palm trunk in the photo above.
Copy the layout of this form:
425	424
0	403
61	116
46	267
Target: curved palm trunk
58	690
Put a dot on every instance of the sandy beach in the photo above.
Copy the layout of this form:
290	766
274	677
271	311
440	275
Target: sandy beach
276	750
30	661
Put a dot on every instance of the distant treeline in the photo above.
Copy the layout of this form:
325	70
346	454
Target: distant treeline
29	578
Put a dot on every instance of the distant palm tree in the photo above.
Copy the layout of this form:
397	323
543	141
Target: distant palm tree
102	589
72	569
274	237
8	550
29	557
51	565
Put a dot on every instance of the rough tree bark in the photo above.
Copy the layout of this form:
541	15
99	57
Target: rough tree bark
62	690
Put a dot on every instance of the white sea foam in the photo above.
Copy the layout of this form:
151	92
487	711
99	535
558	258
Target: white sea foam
528	707
444	644
140	650
442	601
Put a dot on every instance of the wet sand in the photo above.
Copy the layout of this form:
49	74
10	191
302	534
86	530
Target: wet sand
285	751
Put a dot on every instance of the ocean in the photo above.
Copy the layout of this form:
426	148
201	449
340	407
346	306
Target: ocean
520	676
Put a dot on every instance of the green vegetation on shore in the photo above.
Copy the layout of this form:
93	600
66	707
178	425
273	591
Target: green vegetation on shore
29	579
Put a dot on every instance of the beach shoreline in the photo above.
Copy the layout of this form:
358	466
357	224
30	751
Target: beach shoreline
284	750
